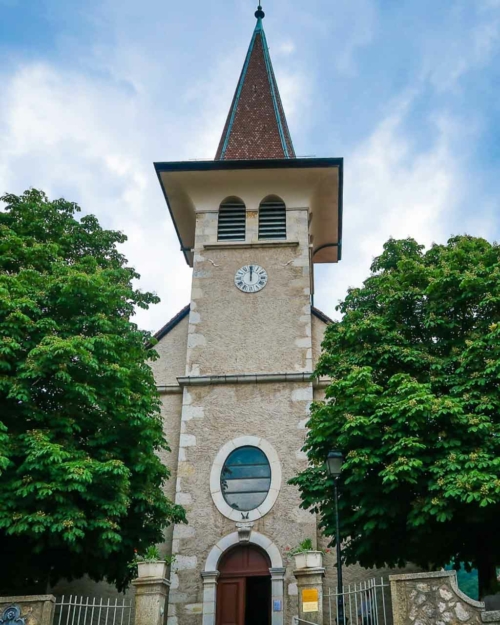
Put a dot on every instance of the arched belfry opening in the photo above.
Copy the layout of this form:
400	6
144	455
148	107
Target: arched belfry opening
232	220
272	218
244	587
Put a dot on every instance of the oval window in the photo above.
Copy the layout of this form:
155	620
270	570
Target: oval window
245	478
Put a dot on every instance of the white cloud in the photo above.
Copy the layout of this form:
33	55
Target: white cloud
285	48
90	143
339	29
209	99
90	131
464	47
295	93
357	21
490	4
392	190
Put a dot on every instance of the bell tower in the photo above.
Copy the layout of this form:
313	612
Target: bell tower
252	224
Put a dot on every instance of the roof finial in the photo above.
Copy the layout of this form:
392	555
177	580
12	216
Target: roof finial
259	14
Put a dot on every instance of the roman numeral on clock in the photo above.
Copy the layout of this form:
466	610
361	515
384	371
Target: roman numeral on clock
250	278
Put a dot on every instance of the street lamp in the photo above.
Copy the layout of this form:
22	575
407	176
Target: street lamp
334	462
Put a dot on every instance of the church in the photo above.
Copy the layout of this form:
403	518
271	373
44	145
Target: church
235	364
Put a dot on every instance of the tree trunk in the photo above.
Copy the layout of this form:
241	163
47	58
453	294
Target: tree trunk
487	574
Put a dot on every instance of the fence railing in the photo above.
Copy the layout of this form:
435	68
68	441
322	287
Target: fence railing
75	610
365	603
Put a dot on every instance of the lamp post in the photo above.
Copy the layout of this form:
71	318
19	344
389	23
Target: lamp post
334	462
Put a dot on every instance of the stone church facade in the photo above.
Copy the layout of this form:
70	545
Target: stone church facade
235	365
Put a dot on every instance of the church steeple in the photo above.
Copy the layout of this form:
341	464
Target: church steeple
256	126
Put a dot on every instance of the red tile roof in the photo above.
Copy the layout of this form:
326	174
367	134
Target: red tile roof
256	126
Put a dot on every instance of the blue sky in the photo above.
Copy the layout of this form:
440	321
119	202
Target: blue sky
406	91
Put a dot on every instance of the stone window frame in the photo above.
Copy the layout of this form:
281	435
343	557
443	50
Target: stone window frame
215	478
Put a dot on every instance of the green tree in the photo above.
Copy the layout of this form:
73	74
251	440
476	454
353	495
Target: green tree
467	580
414	404
81	483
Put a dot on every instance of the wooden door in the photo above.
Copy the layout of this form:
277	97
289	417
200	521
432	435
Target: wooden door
231	601
241	568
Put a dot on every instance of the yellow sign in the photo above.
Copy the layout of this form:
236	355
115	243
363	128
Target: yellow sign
310	602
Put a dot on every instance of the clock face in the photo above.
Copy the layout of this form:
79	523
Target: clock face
251	278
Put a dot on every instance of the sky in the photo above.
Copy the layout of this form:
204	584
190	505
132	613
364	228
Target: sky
406	91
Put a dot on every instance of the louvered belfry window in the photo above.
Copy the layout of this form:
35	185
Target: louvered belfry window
272	219
232	220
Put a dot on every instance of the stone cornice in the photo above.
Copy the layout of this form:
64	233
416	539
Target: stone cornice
248	245
254	209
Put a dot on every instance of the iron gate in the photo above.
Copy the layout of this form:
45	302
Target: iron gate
365	603
75	610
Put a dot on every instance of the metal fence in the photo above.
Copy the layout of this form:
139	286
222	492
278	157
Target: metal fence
75	610
366	603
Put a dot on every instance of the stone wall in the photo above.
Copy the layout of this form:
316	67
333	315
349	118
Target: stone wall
318	328
274	412
172	355
435	599
27	610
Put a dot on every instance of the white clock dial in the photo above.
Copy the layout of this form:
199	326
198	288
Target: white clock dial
251	278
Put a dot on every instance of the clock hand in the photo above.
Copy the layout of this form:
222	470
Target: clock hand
251	273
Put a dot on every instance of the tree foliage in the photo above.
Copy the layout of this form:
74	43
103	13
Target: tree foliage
414	404
81	484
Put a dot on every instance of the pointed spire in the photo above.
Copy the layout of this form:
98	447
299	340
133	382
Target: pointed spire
256	126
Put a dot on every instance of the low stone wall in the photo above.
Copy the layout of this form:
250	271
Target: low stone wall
27	610
435	599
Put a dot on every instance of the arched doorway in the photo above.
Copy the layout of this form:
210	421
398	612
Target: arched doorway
244	587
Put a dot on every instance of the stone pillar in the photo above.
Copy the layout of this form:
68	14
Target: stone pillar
34	609
209	596
150	600
310	587
277	592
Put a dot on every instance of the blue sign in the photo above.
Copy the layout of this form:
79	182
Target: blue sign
277	605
